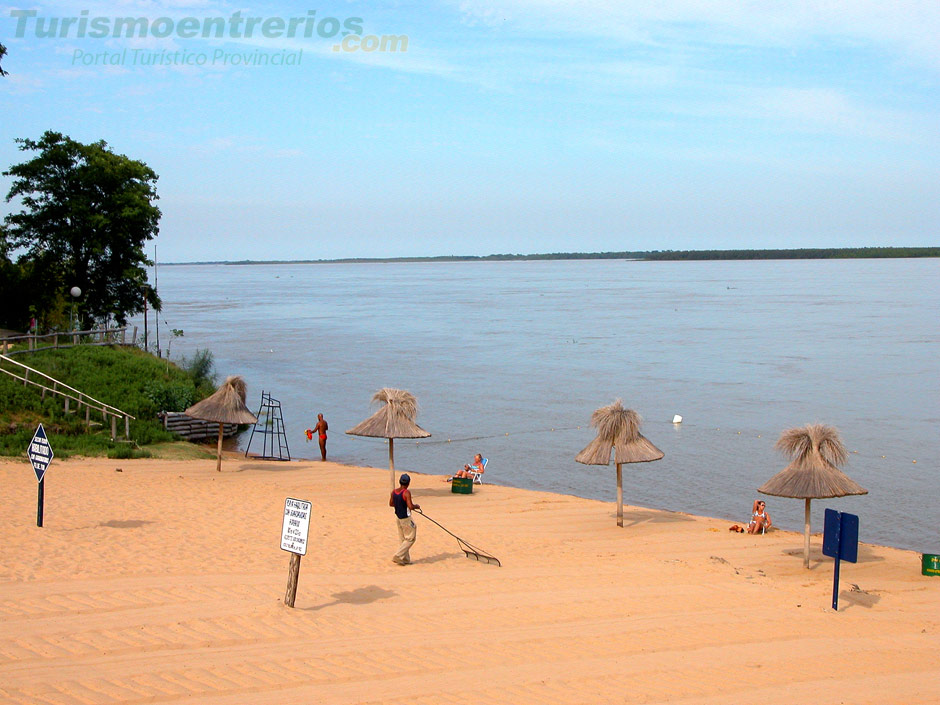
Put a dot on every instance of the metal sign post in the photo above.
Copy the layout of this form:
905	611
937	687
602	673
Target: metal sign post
294	532
40	455
840	541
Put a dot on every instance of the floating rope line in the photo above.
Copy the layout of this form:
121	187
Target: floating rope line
466	439
470	551
746	433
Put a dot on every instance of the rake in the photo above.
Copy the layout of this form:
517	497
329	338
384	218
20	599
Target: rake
468	548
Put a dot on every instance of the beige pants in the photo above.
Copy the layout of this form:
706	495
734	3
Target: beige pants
407	533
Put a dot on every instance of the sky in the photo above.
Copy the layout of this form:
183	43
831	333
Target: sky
516	126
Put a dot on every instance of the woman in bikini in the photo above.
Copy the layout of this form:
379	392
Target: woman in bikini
475	466
760	519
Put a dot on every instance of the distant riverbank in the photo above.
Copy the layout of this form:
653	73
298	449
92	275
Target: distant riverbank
647	255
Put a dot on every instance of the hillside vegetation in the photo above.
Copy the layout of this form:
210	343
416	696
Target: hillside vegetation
125	377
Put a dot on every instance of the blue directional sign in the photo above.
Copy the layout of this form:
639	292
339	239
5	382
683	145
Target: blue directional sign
40	452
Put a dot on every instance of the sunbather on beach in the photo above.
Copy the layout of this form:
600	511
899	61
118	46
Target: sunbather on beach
760	519
475	466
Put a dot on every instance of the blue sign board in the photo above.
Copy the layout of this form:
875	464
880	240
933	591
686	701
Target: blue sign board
840	541
840	536
40	452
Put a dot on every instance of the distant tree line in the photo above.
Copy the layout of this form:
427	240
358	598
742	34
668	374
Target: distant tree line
648	255
804	253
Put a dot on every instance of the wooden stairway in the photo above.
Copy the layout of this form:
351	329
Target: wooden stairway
49	385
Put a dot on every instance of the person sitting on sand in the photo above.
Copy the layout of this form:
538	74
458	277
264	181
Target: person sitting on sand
475	466
760	519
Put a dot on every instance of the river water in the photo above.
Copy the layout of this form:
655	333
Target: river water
509	359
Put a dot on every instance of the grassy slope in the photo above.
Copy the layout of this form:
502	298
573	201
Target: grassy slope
130	379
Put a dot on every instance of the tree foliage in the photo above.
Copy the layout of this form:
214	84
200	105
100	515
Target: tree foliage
3	52
86	215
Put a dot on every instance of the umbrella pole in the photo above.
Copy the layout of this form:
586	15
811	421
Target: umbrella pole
218	463
391	462
619	495
806	535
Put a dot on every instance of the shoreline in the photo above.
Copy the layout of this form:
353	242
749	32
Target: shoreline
237	456
165	582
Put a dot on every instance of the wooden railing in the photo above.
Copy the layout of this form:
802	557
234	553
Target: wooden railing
67	339
50	385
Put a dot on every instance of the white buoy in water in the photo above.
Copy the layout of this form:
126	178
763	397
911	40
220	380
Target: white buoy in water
677	419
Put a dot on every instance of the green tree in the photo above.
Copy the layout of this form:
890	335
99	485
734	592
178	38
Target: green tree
3	52
86	215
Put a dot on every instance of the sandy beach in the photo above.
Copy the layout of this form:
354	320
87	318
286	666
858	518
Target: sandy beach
164	583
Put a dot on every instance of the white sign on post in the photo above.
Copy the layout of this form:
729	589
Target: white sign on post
296	526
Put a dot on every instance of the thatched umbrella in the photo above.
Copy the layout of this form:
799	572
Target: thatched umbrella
227	405
618	428
396	419
816	450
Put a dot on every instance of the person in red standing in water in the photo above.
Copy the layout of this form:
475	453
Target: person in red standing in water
321	428
407	531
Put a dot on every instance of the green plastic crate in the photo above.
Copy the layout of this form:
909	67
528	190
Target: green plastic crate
462	485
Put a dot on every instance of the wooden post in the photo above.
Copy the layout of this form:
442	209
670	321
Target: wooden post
218	466
127	427
66	405
113	427
292	577
391	462
87	415
619	495
25	377
55	341
806	535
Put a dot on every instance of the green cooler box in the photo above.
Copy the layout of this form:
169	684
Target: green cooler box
930	564
462	485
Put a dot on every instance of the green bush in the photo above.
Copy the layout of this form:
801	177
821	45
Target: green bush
145	433
201	367
127	452
169	396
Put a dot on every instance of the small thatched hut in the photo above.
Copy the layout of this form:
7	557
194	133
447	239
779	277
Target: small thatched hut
618	428
395	419
816	450
226	405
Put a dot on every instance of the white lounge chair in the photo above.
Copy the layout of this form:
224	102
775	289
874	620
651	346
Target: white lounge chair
478	475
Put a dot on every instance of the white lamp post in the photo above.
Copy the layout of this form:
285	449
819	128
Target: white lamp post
75	292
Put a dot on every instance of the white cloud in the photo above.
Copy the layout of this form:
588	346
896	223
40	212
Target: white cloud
906	27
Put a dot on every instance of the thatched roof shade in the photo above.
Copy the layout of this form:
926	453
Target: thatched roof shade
816	450
618	428
227	405
396	418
